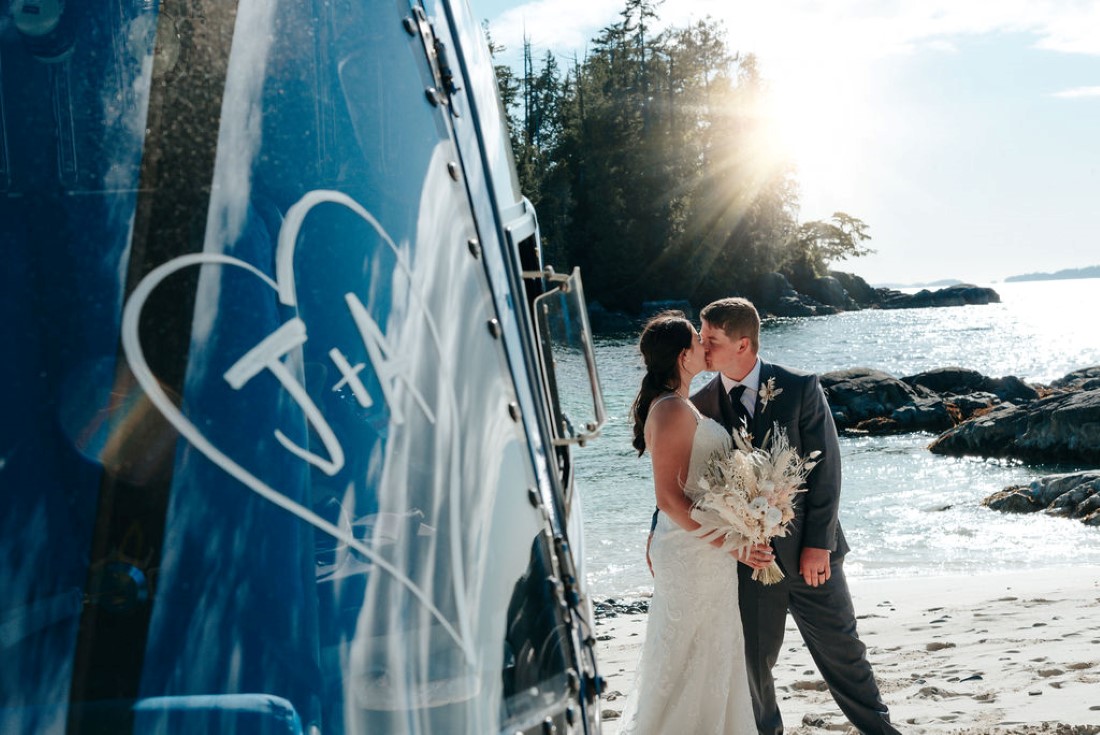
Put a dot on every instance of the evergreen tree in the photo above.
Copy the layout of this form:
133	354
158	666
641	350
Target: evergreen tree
652	167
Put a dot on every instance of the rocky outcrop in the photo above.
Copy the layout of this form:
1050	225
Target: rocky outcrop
978	415
858	289
1061	427
871	401
859	395
1083	379
961	295
961	382
1075	495
775	296
831	292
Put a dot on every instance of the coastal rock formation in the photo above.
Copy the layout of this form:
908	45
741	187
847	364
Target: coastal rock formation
1061	427
831	292
859	395
775	296
870	401
1075	495
961	382
1083	379
961	295
861	292
978	415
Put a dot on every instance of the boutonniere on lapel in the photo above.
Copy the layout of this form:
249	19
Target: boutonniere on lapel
768	392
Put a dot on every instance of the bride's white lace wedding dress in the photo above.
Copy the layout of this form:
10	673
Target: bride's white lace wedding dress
691	677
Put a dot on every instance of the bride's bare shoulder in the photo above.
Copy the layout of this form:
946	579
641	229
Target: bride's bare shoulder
671	414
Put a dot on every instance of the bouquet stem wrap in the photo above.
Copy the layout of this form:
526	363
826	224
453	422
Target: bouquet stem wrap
748	495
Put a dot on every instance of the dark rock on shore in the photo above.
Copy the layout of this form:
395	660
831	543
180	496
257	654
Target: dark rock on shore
1075	495
977	415
775	296
840	291
870	401
961	295
961	382
831	292
859	395
612	608
858	289
1061	427
1083	379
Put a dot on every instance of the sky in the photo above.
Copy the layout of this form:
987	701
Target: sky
965	133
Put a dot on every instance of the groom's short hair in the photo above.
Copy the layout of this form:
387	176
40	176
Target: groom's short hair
735	316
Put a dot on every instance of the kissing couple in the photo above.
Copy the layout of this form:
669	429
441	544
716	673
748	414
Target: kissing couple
714	633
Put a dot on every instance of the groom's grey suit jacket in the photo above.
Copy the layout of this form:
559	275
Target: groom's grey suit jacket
802	411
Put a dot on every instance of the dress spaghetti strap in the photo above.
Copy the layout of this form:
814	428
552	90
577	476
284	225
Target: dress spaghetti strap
664	396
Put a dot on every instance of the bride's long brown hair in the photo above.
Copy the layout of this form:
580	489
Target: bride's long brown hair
664	338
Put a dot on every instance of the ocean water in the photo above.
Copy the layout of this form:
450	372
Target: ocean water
904	510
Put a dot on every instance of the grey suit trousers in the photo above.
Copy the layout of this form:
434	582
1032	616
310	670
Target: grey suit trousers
826	619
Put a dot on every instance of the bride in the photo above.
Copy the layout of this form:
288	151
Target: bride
692	675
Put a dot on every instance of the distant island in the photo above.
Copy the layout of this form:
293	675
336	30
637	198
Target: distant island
931	284
1092	271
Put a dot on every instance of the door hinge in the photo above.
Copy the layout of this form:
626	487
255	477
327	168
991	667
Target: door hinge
444	85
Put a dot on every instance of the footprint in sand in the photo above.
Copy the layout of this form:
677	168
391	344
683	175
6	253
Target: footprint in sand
935	693
938	645
810	685
1045	673
1079	666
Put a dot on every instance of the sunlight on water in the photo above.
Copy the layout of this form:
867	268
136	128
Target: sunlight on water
905	511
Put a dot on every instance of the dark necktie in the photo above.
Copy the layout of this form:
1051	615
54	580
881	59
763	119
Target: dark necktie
743	418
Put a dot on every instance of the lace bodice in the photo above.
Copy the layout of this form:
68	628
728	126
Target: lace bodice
710	438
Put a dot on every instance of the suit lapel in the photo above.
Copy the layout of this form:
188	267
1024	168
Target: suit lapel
761	413
713	402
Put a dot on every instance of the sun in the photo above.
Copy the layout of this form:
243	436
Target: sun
825	121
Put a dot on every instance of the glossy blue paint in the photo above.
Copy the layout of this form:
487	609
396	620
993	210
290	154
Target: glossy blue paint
266	467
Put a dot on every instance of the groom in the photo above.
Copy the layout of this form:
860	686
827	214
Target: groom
757	394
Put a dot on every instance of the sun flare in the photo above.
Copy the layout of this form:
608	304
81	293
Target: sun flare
825	123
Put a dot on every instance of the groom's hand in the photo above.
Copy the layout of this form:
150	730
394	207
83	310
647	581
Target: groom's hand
813	565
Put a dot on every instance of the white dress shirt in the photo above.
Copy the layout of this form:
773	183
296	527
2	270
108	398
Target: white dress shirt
752	387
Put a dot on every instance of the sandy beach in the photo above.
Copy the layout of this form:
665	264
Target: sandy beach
997	653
